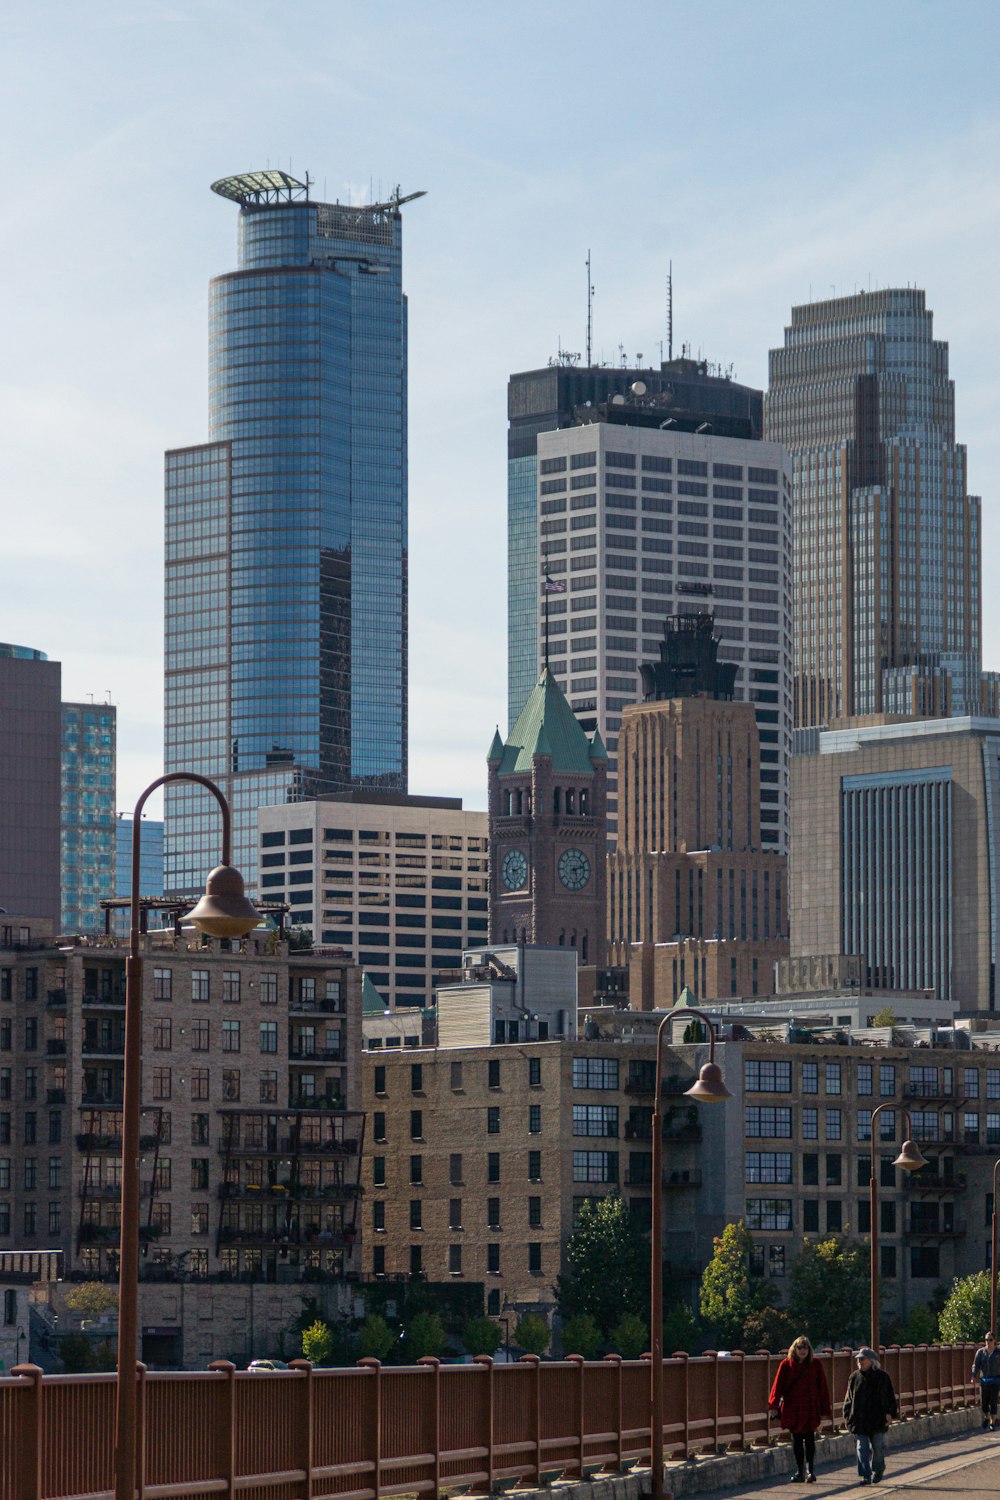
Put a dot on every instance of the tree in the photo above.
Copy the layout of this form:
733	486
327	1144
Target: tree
481	1336
424	1336
767	1328
885	1017
92	1297
317	1343
532	1334
607	1259
581	1335
76	1353
828	1295
630	1336
681	1329
694	1031
376	1339
728	1294
966	1313
919	1327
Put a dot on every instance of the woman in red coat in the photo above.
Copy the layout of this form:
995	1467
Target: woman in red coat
800	1397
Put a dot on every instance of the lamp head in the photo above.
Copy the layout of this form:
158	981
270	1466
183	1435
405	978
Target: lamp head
224	910
910	1157
710	1086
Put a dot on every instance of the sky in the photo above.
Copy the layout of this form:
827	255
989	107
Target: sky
774	151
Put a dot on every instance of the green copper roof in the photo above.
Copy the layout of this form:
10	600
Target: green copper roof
495	751
597	750
687	998
372	1003
546	725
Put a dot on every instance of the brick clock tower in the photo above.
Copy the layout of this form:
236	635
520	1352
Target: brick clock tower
548	829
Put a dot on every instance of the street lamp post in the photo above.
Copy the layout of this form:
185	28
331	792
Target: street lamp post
993	1255
710	1089
223	911
909	1159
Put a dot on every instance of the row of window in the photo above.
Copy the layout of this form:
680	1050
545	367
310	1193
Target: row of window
763	1075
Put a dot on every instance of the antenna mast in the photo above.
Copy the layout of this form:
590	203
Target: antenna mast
670	310
590	312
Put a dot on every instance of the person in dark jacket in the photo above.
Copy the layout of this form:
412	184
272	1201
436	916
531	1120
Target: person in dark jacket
869	1406
986	1369
801	1399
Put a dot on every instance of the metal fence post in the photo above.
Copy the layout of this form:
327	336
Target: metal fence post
533	1359
487	1363
580	1362
375	1366
616	1360
141	1413
433	1363
227	1427
32	1435
307	1423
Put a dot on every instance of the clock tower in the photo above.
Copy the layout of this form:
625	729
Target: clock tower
548	829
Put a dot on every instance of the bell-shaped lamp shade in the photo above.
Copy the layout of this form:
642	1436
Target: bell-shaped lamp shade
224	910
910	1157
710	1087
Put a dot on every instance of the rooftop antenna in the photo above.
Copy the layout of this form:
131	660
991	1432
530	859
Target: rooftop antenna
670	311
590	312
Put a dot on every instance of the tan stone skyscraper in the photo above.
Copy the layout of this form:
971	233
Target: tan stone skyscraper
692	899
887	537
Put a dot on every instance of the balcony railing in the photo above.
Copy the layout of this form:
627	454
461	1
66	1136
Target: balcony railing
313	1007
55	998
934	1182
55	1046
279	1193
92	1048
317	1054
919	1229
114	997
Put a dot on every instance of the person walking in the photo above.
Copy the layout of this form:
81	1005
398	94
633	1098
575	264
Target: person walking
986	1369
869	1406
801	1399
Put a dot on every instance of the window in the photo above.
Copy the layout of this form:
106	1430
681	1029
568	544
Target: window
595	1166
595	1119
493	1213
534	1213
534	1072
199	1036
456	1076
231	1085
970	1083
162	1034
268	1086
163	984
493	1166
162	1083
865	1084
833	1124
455	1168
378	1260
416	1213
810	1078
416	1125
775	1261
887	1215
833	1078
768	1166
30	1174
269	1036
768	1120
766	1076
534	1259
199	1174
887	1257
810	1169
416	1260
493	1074
199	1218
55	1172
834	1169
454	1213
887	1080
810	1124
493	1120
534	1166
834	1216
231	986
925	1262
454	1260
416	1078
199	984
864	1124
810	1215
593	1072
230	1036
769	1213
493	1259
199	1130
416	1170
378	1171
269	989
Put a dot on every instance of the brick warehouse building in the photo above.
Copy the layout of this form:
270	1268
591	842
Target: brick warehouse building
251	1126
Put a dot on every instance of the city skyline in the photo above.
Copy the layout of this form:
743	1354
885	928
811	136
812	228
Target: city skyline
897	190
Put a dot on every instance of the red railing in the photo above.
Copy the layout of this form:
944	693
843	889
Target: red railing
359	1434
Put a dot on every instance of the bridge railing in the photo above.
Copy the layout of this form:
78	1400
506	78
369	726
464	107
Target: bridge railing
373	1431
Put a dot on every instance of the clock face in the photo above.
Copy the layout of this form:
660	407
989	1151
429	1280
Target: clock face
574	869
514	870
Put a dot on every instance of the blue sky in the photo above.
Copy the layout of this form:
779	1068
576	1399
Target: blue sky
772	150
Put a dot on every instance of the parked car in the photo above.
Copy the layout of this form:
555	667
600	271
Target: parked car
267	1364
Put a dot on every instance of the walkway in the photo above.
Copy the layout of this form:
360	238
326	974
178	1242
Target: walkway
967	1465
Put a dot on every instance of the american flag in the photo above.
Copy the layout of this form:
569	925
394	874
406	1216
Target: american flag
552	586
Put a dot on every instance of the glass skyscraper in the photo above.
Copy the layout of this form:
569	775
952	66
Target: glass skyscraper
89	751
286	533
887	537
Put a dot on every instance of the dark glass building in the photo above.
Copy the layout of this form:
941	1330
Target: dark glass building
286	533
545	400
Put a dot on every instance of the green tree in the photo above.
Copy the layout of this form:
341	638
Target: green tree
317	1343
630	1336
920	1326
76	1353
694	1031
828	1296
481	1336
92	1297
607	1259
966	1313
681	1329
767	1328
376	1339
885	1017
728	1293
581	1335
425	1335
532	1334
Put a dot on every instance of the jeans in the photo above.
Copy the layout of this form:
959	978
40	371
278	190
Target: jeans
804	1448
871	1454
988	1396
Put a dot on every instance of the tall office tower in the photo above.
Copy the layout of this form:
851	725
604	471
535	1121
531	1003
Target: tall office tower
644	515
89	751
692	899
286	533
887	538
29	782
548	829
544	400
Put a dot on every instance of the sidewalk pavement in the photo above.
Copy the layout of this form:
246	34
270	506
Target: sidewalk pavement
967	1464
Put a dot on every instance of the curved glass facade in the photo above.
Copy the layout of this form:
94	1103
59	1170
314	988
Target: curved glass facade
286	534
